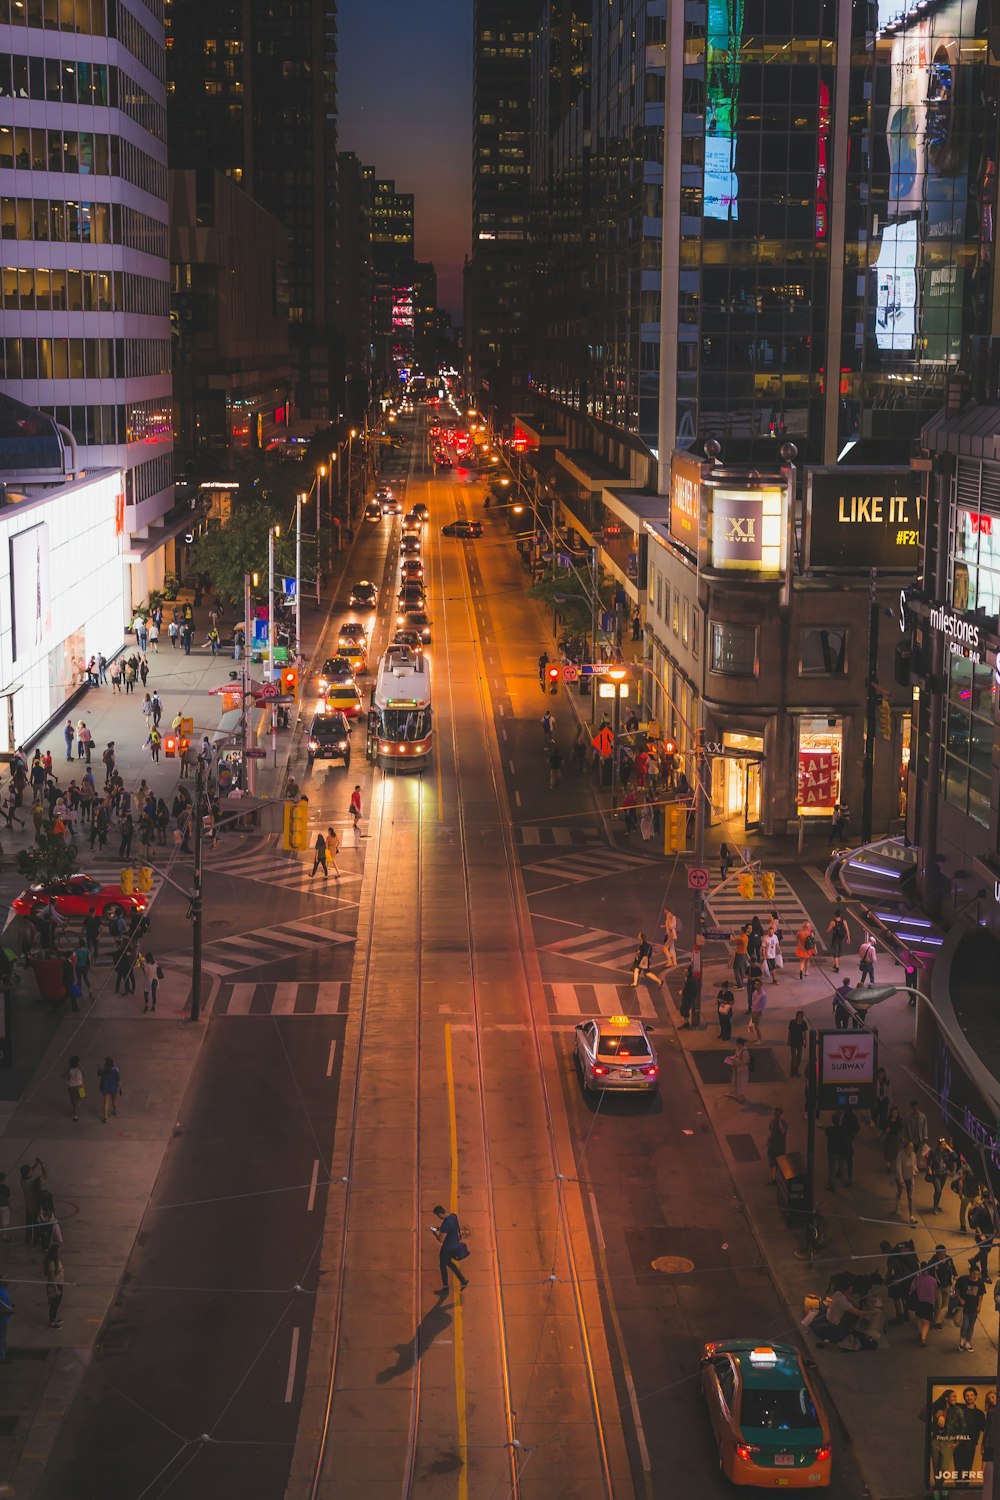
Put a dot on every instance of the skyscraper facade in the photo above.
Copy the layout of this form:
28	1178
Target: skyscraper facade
83	216
393	273
497	273
253	92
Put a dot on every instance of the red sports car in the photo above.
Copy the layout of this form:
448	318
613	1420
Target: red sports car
74	896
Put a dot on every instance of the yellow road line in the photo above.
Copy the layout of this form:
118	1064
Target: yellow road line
460	1402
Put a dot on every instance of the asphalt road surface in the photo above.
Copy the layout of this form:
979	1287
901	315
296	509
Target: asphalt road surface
402	1040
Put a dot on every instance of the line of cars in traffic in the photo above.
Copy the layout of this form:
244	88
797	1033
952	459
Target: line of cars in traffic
340	702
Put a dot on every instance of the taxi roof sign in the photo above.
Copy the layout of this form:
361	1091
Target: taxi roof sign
763	1356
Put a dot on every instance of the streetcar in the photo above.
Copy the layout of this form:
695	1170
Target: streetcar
400	728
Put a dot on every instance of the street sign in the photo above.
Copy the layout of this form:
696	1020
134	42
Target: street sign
716	935
255	755
697	878
269	690
288	587
570	672
594	668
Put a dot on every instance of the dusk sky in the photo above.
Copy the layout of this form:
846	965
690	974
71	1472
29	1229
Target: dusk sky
405	85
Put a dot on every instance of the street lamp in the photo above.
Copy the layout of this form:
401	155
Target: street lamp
619	679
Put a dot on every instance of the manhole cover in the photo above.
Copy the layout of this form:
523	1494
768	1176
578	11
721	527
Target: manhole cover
673	1265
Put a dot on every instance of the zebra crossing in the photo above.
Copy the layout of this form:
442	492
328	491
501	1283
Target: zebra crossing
593	864
273	867
299	999
537	835
269	945
576	1000
608	950
728	909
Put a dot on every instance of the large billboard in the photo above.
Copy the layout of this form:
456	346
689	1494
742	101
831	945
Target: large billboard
861	518
723	42
30	608
685	500
960	1411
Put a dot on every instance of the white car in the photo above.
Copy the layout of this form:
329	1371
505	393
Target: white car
615	1053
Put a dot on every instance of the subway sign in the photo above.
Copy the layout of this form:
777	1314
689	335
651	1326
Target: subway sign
863	518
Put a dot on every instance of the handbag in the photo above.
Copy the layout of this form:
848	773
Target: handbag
462	1253
81	1092
779	962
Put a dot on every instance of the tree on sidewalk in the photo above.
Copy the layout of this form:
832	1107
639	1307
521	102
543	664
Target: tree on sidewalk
228	552
51	858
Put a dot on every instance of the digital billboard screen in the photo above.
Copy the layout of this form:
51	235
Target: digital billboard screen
30	606
863	518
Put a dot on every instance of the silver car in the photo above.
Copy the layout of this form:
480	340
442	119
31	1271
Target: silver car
616	1053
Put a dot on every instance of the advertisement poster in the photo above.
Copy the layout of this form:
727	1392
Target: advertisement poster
818	780
959	1413
848	1060
863	518
29	587
722	42
685	500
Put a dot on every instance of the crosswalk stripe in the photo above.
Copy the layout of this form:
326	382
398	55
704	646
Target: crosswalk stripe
285	996
728	908
330	997
601	1000
240	999
308	998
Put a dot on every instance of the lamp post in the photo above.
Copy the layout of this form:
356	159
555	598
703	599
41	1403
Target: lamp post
300	500
619	677
319	543
248	764
275	531
350	473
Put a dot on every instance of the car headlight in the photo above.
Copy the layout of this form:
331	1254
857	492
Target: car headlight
314	744
341	744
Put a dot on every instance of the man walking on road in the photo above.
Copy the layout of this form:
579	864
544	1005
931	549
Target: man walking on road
449	1236
840	935
915	1131
355	811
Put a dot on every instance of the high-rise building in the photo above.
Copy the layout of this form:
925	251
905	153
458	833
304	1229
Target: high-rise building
252	91
355	283
83	216
497	274
229	299
392	268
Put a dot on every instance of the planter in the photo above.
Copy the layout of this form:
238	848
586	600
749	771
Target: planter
48	974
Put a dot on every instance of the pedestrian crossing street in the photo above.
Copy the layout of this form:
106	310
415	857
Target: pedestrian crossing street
269	945
536	835
273	867
576	1000
728	909
587	864
608	950
304	999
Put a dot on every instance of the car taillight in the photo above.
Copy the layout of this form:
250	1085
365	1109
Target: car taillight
744	1450
651	1072
599	1072
822	1454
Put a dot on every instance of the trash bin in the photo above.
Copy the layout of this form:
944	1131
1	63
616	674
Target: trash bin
584	687
793	1184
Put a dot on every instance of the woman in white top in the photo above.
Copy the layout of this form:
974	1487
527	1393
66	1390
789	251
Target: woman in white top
74	1085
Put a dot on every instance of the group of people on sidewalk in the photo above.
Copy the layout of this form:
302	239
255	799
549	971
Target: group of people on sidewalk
42	1234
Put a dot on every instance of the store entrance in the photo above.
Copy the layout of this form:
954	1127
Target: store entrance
736	779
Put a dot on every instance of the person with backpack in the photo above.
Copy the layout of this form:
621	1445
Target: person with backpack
840	935
319	863
805	948
642	961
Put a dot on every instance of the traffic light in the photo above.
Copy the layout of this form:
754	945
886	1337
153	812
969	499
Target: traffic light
674	829
745	885
767	884
126	882
553	673
290	681
296	825
145	882
885	718
170	745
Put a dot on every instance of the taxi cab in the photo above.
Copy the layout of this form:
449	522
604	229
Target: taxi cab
343	698
616	1054
357	654
770	1427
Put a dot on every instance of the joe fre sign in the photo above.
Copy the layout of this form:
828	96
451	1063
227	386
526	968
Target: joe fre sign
847	1063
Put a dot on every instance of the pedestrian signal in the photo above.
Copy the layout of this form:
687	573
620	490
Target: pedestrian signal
669	747
296	826
290	681
885	718
183	743
767	884
745	884
126	882
187	727
144	883
553	673
170	746
674	829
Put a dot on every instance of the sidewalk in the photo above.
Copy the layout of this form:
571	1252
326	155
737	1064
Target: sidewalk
101	1176
880	1396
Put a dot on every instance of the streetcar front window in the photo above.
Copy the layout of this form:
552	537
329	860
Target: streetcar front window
401	724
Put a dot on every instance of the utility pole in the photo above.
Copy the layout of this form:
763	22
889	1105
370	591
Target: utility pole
196	898
248	765
300	500
701	795
871	705
319	537
619	676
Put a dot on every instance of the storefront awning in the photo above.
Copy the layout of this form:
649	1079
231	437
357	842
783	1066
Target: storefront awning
972	433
